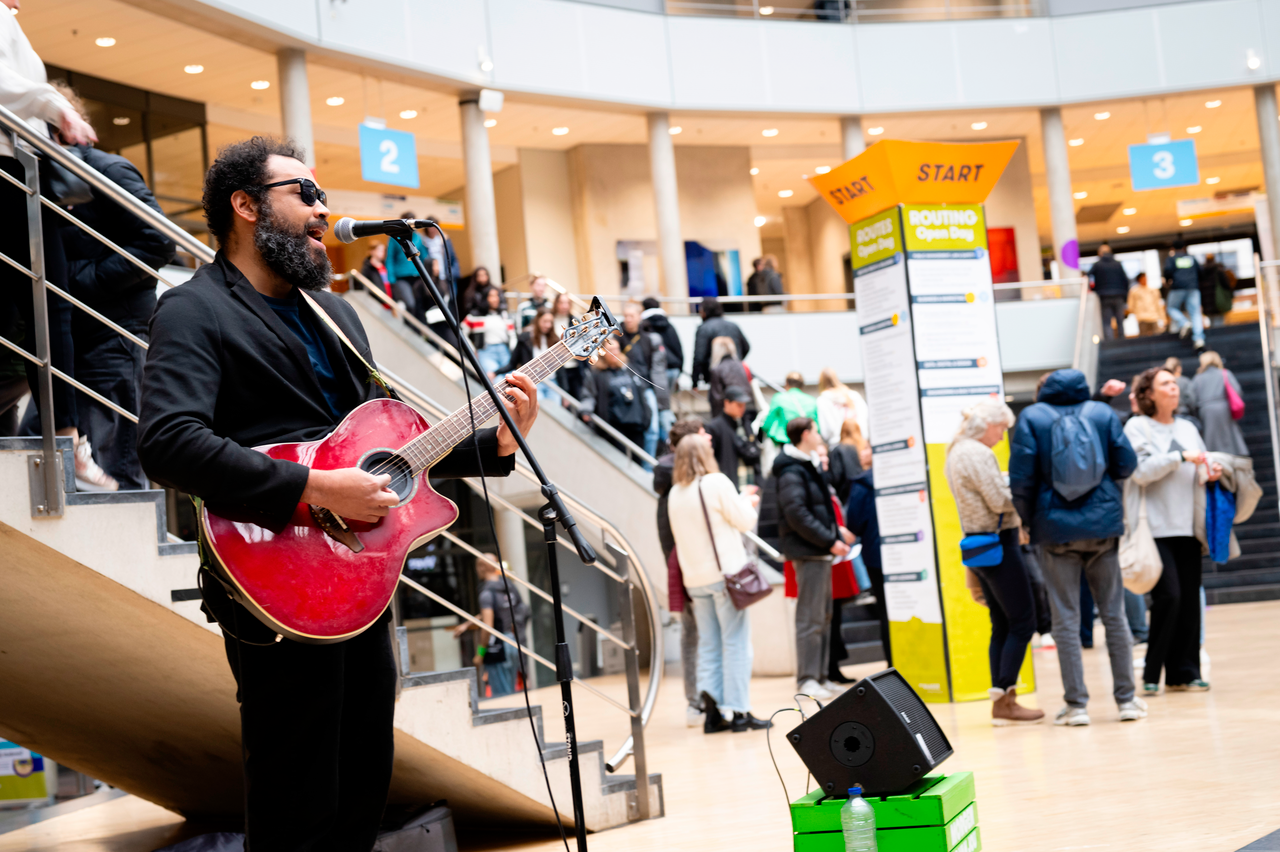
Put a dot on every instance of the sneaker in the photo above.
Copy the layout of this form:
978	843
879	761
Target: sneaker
1132	711
813	689
1194	686
1184	332
693	717
864	599
747	722
90	477
835	688
1072	716
1151	689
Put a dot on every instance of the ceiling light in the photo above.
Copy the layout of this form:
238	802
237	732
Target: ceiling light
1080	194
821	170
1123	229
772	131
1253	60
874	131
1102	116
120	120
260	84
785	193
1075	143
979	125
1212	104
766	10
1195	129
335	101
754	170
675	131
559	131
408	113
486	65
1129	211
193	69
105	41
491	122
1184	222
1212	180
760	220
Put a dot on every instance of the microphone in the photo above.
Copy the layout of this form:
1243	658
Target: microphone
349	230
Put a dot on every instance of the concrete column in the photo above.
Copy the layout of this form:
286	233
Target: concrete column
666	201
295	100
851	136
1264	98
481	211
1062	209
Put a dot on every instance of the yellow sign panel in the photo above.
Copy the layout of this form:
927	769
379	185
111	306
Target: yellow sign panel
894	171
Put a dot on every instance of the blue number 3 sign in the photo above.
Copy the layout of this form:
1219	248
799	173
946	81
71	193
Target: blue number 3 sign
388	156
1164	165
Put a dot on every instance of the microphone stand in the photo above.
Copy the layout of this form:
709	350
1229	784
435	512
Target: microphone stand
554	511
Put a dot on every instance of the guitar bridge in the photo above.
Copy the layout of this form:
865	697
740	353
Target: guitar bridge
335	528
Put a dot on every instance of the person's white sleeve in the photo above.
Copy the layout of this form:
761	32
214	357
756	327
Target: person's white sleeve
1153	463
27	98
735	507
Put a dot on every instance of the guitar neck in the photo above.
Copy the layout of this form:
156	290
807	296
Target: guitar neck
434	444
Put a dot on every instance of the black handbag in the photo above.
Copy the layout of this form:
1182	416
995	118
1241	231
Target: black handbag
748	585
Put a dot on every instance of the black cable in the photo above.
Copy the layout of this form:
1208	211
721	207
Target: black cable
767	742
506	586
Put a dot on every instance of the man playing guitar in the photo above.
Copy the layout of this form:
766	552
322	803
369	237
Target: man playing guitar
238	360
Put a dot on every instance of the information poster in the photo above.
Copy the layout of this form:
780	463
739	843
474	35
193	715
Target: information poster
898	446
22	775
957	359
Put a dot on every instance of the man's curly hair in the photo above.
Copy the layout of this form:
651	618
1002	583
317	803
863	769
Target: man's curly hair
241	165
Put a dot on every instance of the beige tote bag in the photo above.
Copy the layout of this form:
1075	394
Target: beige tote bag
1140	562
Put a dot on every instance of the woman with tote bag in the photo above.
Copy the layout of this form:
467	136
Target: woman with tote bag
709	546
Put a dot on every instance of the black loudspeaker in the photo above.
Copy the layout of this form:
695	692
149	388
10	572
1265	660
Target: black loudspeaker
877	735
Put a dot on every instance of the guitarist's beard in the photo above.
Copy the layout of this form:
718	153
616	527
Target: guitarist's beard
289	253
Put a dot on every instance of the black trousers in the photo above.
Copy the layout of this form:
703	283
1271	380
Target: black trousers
316	722
1113	306
1174	641
1007	588
112	366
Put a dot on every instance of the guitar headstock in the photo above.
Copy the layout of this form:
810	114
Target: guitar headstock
588	334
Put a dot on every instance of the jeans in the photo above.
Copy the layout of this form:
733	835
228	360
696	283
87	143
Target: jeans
1112	306
651	431
502	676
1135	610
112	367
1099	560
689	656
724	648
494	357
1190	300
1174	643
1007	588
813	618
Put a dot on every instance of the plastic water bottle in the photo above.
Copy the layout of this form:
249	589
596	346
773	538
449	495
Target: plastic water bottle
858	820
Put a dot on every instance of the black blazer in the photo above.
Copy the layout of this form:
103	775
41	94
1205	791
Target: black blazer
224	374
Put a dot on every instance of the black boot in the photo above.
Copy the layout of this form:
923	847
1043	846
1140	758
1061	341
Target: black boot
747	722
715	722
836	676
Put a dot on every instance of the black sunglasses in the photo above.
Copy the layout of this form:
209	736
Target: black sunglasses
310	192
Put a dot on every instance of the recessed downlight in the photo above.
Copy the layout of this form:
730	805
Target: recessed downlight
559	131
771	131
675	131
1123	229
1102	116
491	122
755	171
408	113
821	170
1075	143
260	84
121	120
1194	129
979	125
785	193
1079	195
193	69
335	101
105	41
760	220
1184	222
1212	104
1213	180
874	131
1129	211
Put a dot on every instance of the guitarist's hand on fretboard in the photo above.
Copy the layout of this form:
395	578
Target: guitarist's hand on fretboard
350	493
522	402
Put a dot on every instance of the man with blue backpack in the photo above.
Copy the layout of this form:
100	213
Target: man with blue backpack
1066	459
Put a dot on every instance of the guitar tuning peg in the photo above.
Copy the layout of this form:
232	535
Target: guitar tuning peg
595	356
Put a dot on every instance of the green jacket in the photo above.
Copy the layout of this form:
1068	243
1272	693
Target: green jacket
785	407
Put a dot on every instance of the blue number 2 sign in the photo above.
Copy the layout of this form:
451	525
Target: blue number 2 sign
1164	165
388	156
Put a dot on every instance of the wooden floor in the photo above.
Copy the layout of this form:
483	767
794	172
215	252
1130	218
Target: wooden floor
1201	773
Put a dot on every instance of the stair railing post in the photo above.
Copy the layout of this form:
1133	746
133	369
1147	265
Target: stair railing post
1266	331
626	610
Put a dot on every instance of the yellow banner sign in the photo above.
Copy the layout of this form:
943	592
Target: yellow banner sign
894	171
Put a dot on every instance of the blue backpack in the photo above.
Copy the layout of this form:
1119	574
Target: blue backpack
1078	459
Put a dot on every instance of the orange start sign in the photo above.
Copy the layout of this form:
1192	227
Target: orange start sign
894	171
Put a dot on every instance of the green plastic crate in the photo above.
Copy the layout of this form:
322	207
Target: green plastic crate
937	814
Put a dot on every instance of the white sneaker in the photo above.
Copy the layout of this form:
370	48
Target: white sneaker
693	717
1072	716
833	687
1132	711
813	689
90	477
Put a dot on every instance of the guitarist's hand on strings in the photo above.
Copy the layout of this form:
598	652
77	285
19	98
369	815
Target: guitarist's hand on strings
350	493
522	402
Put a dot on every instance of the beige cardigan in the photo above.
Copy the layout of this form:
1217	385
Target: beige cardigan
731	515
979	488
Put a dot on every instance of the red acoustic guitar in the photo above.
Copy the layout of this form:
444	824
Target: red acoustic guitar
324	578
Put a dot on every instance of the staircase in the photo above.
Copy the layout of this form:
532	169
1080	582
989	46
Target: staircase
109	667
1255	575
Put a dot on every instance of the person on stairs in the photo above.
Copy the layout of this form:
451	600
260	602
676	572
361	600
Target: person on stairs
1182	272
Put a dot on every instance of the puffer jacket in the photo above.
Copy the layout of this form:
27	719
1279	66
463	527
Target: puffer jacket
655	320
806	516
1051	518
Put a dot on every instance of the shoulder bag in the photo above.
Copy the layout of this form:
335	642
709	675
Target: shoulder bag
748	585
1140	563
1233	399
983	550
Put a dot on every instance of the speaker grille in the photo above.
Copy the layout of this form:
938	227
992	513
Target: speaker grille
919	720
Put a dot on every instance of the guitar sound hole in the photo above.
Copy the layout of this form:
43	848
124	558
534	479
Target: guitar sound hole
380	463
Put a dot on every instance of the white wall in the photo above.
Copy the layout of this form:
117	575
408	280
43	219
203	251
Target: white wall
1011	205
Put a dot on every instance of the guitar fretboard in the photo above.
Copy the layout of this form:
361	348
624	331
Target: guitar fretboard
434	444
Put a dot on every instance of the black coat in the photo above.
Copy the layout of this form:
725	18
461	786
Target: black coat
708	331
224	374
844	467
806	518
655	320
663	473
522	354
730	446
1109	278
98	276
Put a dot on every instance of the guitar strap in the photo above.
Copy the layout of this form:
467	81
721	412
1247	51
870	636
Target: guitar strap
374	375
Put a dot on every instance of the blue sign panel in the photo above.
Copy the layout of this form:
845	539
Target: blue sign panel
1164	165
388	156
